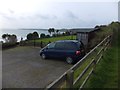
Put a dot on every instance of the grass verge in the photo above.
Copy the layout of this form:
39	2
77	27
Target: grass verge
106	72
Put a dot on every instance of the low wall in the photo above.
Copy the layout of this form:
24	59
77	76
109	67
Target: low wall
36	44
9	45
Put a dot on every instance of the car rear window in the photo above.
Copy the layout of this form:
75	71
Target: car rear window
80	45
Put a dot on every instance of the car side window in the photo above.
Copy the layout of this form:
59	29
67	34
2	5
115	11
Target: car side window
59	45
65	45
51	45
70	46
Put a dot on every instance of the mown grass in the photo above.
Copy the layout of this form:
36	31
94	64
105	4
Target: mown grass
52	39
106	72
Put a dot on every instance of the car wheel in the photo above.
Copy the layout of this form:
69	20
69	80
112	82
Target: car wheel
69	60
43	56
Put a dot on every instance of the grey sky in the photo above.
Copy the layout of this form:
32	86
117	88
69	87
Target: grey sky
57	14
119	11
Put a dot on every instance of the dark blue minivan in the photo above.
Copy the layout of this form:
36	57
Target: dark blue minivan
70	50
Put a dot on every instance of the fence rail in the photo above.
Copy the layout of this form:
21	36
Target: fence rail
67	79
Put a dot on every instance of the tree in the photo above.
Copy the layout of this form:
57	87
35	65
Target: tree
54	35
35	35
63	34
97	26
57	31
67	32
47	36
4	36
30	36
53	30
9	38
12	38
49	30
42	35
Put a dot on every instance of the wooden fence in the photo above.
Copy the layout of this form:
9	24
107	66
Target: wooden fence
70	80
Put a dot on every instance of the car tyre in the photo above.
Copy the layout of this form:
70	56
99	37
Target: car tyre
43	56
69	60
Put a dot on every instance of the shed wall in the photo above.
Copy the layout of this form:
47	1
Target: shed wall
83	37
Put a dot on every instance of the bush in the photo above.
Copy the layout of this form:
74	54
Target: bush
47	36
42	35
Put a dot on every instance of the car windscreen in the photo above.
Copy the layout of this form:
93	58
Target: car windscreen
51	45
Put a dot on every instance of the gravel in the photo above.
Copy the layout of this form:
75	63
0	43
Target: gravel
22	67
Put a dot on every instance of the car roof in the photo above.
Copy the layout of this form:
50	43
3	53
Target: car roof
67	41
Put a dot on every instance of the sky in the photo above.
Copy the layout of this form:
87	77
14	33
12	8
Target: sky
57	13
119	11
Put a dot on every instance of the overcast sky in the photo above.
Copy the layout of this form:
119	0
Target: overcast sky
57	13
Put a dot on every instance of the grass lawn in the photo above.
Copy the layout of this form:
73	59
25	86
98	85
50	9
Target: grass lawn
106	72
52	39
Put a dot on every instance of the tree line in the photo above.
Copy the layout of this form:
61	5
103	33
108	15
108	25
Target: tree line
30	36
52	33
9	38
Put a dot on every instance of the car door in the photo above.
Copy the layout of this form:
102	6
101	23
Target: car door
59	50
50	50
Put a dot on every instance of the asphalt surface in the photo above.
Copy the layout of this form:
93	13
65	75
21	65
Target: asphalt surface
22	67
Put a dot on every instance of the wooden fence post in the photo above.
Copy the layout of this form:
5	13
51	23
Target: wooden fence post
34	42
69	80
